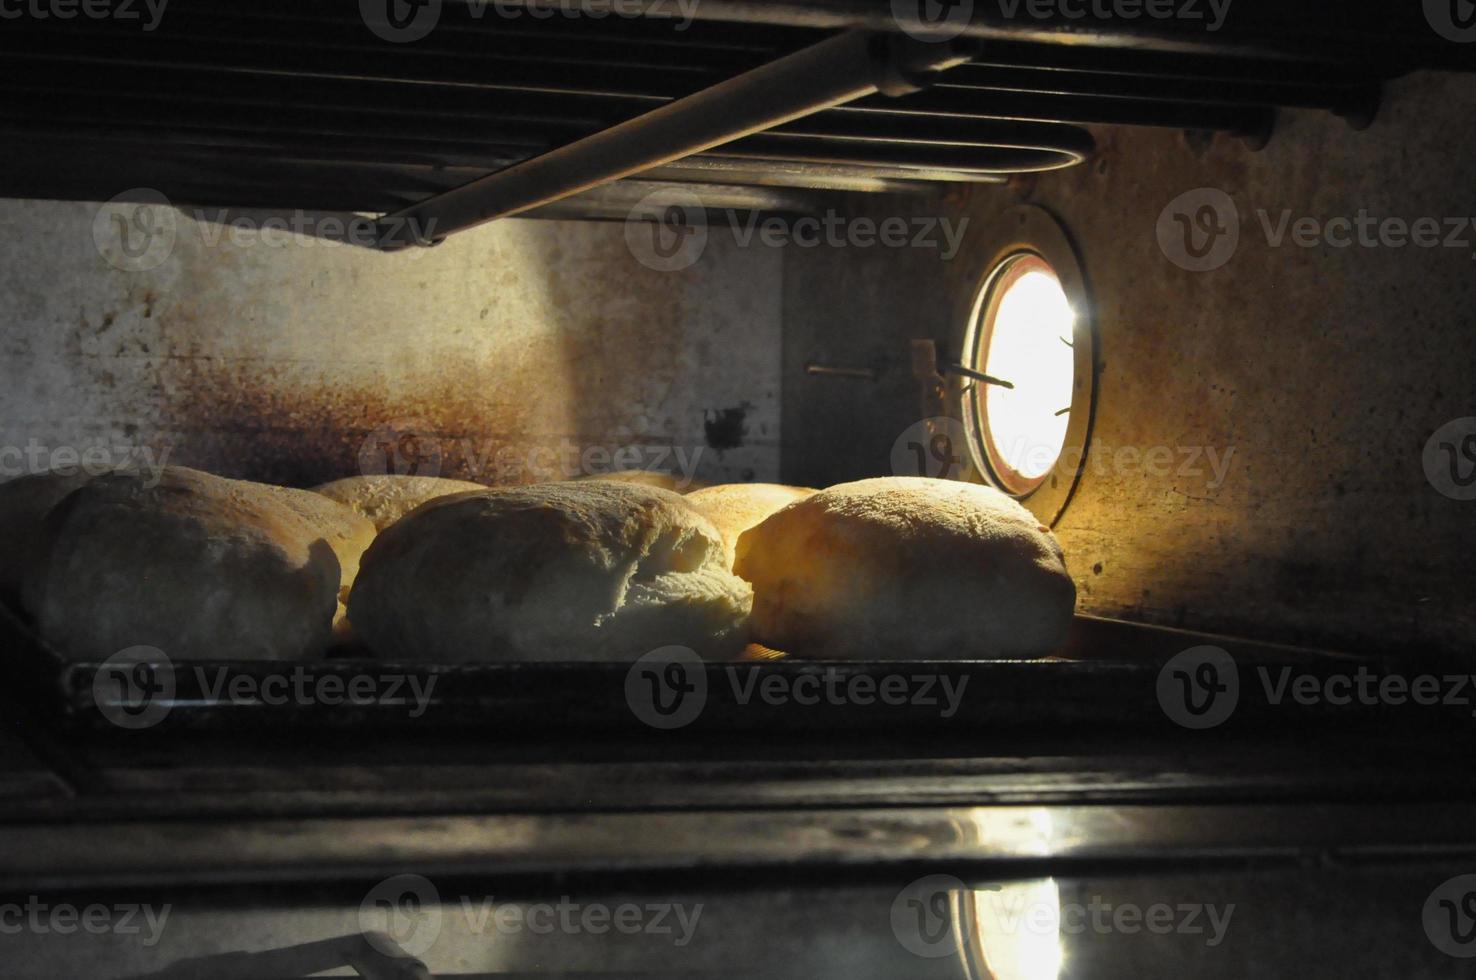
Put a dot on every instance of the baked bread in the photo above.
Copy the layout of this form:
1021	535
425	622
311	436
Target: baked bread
735	507
197	565
557	571
24	504
645	478
387	498
907	568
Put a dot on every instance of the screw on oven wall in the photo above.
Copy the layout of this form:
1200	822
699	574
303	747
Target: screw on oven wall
1199	688
1199	230
134	688
401	915
667	688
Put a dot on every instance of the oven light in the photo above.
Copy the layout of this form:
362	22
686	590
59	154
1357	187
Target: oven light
1024	333
1017	926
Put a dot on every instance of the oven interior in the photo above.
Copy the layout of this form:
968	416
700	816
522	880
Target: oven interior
748	241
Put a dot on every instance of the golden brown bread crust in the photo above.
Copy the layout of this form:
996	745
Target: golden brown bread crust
197	565
387	498
907	568
645	478
735	507
558	571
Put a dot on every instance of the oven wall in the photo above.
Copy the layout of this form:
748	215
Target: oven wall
522	350
1320	373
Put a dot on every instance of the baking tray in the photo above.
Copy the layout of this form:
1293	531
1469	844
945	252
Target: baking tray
1107	674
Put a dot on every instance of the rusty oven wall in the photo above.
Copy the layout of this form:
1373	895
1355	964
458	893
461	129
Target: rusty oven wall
1324	370
523	350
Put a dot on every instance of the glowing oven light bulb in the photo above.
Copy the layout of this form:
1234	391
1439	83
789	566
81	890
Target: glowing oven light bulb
1025	335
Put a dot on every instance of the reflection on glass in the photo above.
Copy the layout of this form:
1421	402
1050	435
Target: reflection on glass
1016	932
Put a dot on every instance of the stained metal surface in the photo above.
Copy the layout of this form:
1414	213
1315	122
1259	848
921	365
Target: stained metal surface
1009	839
525	351
1225	925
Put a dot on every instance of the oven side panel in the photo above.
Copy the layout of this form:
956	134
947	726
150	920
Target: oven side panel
1315	375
